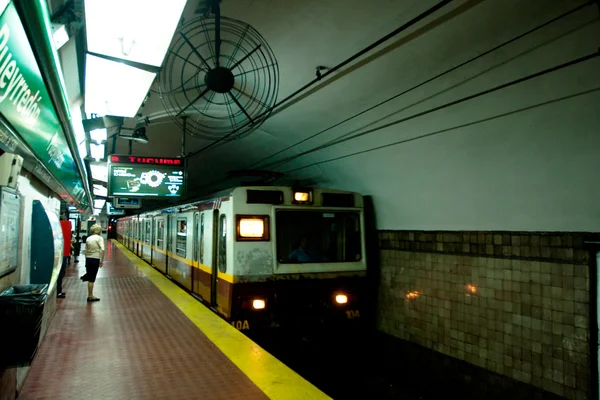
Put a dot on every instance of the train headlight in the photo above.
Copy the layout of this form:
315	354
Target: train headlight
341	299
258	304
250	227
302	197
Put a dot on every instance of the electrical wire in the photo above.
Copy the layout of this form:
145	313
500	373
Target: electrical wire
422	83
441	107
582	59
290	158
407	25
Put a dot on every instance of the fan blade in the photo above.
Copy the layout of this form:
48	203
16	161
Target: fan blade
186	60
193	101
240	106
217	31
194	50
244	58
251	97
237	46
254	70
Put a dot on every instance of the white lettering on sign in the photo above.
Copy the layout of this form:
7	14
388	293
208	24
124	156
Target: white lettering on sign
14	86
55	153
8	141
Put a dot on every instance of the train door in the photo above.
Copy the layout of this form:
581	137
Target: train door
200	283
161	238
171	240
138	233
140	248
215	261
195	251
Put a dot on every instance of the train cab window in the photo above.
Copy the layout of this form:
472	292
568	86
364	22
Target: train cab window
222	254
181	237
318	236
148	231
160	233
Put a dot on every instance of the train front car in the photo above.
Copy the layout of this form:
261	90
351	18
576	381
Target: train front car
299	258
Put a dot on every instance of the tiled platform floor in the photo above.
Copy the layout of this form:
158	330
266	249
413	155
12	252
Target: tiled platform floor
133	344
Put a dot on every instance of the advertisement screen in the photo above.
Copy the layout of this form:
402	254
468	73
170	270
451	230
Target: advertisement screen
142	179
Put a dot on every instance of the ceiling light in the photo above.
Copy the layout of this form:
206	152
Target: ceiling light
113	88
98	135
134	30
100	190
97	211
59	35
99	204
97	151
99	172
79	132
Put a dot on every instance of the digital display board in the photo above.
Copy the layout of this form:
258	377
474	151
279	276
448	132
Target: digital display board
126	202
134	176
110	210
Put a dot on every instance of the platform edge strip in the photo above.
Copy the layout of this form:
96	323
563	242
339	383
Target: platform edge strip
270	375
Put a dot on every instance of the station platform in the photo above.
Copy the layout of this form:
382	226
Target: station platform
147	338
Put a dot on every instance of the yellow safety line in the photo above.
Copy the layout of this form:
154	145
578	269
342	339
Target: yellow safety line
271	376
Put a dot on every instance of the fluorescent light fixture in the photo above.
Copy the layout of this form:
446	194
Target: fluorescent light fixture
97	151
99	135
59	35
99	172
97	211
99	204
100	190
79	132
133	30
113	88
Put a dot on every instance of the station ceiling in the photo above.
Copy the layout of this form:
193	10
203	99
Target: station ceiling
410	155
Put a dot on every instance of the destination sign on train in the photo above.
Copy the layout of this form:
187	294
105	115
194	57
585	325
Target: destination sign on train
146	180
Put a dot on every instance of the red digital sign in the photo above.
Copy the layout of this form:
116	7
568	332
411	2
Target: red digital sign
145	160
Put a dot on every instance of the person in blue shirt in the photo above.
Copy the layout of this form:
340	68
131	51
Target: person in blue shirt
302	253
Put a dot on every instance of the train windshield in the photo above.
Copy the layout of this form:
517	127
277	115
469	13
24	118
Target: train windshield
318	236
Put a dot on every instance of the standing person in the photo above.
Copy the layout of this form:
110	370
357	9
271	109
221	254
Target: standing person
94	259
76	248
65	226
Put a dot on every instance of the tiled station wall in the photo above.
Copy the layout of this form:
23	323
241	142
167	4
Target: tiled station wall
514	303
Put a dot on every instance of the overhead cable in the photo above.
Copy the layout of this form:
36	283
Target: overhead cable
538	74
402	28
415	87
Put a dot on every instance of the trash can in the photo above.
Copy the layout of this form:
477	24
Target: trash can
21	312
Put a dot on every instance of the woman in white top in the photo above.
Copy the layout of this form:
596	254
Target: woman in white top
94	259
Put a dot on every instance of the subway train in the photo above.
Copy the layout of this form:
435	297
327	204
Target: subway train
262	257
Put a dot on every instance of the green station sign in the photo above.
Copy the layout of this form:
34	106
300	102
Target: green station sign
25	103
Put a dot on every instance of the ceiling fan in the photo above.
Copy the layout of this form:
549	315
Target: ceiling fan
221	75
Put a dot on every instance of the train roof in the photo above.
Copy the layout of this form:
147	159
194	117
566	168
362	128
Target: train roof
222	194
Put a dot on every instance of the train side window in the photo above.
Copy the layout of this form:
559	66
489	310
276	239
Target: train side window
181	237
222	259
201	240
160	232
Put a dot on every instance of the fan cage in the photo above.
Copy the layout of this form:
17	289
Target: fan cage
182	84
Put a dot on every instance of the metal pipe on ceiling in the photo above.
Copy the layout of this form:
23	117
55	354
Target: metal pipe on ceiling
397	31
